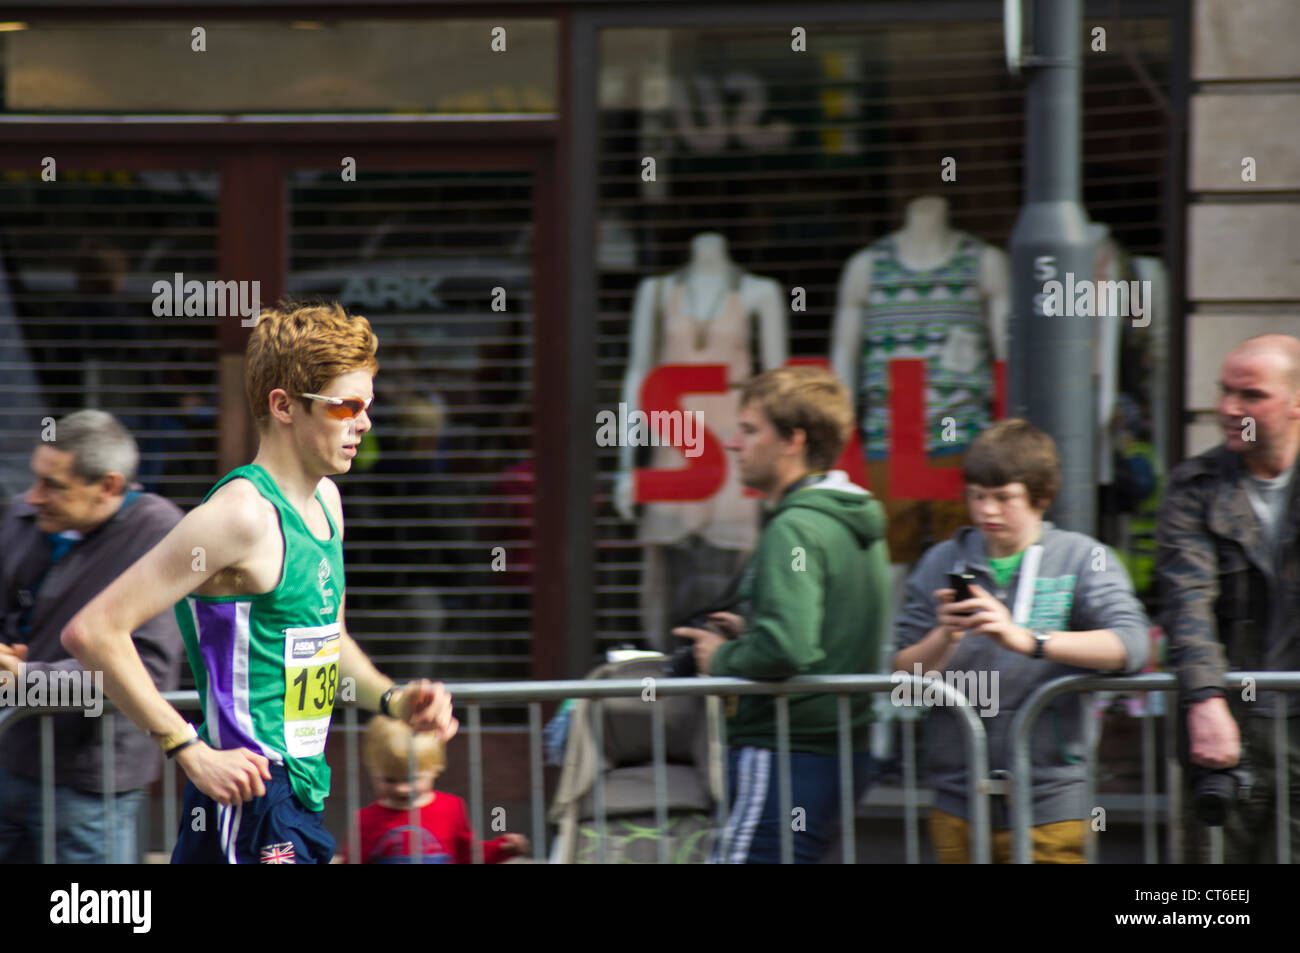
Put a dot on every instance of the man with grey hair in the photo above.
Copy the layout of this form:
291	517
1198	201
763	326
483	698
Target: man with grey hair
82	522
1229	571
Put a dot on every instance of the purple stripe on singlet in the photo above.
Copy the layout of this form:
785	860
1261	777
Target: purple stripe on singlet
217	635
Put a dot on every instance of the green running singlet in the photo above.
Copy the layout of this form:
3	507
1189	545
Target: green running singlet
267	665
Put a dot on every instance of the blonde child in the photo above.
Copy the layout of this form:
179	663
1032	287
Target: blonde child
444	833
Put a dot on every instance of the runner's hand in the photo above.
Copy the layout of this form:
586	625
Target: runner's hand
228	777
426	706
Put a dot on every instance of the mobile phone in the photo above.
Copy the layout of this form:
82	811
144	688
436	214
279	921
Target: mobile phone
960	583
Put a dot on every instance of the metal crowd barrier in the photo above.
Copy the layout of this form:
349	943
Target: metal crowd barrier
108	768
1022	726
470	698
473	695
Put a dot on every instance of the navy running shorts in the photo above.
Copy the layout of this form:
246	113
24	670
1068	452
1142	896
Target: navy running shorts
272	829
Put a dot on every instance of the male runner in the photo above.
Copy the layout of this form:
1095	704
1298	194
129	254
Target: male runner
255	573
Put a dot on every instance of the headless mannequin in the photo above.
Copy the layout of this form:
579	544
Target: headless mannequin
706	313
926	242
707	277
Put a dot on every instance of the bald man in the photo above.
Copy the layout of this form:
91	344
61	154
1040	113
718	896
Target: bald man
1229	574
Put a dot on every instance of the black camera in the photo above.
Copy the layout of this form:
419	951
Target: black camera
681	664
1216	792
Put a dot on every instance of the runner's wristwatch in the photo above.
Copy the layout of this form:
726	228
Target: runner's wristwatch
1040	641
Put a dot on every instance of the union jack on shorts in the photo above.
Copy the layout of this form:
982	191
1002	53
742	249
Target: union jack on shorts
278	853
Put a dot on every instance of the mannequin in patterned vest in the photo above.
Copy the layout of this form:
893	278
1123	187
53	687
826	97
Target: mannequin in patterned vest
709	312
929	292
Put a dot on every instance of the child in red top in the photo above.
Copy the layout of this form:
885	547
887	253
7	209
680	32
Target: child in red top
443	835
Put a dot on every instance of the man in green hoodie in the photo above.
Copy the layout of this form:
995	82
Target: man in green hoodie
817	592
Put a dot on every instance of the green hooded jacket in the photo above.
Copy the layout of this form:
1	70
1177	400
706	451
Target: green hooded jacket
817	592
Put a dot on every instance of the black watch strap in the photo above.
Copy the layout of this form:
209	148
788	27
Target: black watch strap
384	699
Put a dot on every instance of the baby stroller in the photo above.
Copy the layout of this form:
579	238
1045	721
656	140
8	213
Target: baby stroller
693	775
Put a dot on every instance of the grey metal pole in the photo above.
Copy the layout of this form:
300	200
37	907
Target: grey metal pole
537	789
1050	359
476	782
351	730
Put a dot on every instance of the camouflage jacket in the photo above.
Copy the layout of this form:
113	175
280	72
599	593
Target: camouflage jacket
1215	575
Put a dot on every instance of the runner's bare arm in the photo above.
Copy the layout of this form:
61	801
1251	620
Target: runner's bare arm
425	705
369	683
214	536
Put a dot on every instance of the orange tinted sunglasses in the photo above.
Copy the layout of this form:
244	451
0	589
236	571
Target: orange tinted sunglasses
342	408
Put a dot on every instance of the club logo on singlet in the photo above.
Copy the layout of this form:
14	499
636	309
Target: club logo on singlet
323	577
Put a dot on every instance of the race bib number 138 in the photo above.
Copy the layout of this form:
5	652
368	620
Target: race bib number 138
311	674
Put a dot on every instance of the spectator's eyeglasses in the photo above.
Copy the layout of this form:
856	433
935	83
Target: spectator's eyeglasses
342	408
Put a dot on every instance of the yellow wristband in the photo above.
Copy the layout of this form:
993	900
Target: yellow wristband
177	738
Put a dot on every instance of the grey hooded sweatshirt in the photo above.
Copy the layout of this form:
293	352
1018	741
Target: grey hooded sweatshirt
1066	582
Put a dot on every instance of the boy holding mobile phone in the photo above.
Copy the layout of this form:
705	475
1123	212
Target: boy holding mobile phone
1042	602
